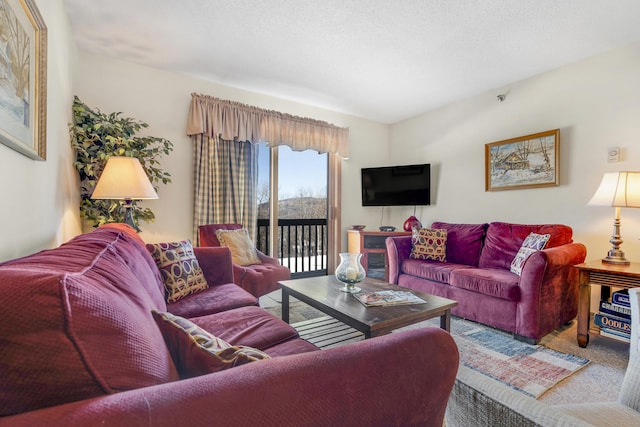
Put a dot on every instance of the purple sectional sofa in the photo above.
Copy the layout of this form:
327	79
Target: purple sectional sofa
477	274
79	347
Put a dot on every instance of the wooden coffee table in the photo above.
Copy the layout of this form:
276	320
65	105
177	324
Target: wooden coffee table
323	293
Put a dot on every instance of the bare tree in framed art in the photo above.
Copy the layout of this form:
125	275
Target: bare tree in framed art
525	162
23	78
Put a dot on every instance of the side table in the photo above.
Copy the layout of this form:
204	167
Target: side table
603	274
372	246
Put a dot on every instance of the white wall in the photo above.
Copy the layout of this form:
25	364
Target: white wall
595	104
161	99
40	199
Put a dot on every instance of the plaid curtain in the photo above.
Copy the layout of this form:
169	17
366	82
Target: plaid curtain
225	171
240	122
225	183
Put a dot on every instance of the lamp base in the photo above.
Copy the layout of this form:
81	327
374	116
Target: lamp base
616	260
615	254
128	216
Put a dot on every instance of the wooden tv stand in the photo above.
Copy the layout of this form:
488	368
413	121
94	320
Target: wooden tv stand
371	244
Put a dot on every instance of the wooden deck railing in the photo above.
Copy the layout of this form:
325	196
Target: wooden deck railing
302	245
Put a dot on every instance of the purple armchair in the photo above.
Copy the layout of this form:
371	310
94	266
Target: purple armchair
257	279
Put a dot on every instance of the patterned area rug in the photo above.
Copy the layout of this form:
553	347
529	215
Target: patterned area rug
530	369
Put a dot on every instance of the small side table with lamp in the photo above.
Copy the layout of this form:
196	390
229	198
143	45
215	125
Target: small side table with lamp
618	190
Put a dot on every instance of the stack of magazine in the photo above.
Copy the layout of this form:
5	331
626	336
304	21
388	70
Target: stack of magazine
382	298
614	317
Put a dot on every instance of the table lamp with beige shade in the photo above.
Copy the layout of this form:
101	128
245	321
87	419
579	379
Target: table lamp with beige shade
123	178
620	190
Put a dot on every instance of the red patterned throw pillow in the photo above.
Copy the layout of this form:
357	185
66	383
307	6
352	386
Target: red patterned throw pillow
179	267
196	352
429	244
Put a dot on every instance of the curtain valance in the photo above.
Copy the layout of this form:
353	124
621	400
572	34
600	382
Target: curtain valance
231	120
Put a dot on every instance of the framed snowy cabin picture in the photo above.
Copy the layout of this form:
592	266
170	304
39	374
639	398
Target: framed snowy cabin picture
529	161
23	78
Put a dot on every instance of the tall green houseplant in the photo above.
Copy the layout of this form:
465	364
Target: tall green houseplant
95	137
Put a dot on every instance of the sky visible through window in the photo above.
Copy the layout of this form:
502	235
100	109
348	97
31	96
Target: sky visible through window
299	171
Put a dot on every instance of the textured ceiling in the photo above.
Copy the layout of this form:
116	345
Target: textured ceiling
385	60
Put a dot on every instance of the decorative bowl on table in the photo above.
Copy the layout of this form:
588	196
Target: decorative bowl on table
358	227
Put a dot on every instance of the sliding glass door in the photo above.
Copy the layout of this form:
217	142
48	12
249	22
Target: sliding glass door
295	206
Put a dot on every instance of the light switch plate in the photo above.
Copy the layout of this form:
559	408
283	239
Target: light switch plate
613	155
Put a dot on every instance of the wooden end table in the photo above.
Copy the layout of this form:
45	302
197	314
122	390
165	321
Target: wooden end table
323	293
606	275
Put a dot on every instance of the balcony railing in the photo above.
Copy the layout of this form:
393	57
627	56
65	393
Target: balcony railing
302	245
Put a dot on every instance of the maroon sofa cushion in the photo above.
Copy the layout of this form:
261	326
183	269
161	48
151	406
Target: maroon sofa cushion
289	347
214	299
431	270
134	254
76	322
496	283
250	326
260	279
221	295
464	242
503	241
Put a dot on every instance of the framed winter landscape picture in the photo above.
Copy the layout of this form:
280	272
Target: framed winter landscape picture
23	74
525	162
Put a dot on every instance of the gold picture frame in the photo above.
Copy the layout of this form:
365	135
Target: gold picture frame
23	78
529	161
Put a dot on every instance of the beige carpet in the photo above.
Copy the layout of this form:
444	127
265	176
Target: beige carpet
599	381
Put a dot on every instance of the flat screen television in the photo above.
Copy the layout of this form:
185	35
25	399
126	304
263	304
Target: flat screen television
407	185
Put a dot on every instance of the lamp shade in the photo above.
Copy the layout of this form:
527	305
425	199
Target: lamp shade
618	189
123	178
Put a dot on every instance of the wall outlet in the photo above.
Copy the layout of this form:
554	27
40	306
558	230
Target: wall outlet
613	155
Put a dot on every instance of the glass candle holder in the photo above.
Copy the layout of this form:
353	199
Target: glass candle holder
350	271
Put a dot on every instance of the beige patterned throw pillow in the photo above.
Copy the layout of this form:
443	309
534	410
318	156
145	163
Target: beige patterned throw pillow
196	351
243	252
429	244
179	267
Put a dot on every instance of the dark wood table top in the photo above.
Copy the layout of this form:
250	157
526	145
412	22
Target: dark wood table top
324	294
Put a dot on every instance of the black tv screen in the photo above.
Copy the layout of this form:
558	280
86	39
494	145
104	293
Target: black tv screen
396	185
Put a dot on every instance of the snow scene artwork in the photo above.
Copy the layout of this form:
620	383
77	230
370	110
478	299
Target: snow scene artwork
23	56
524	162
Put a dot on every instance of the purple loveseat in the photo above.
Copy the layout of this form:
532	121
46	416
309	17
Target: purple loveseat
79	347
477	274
